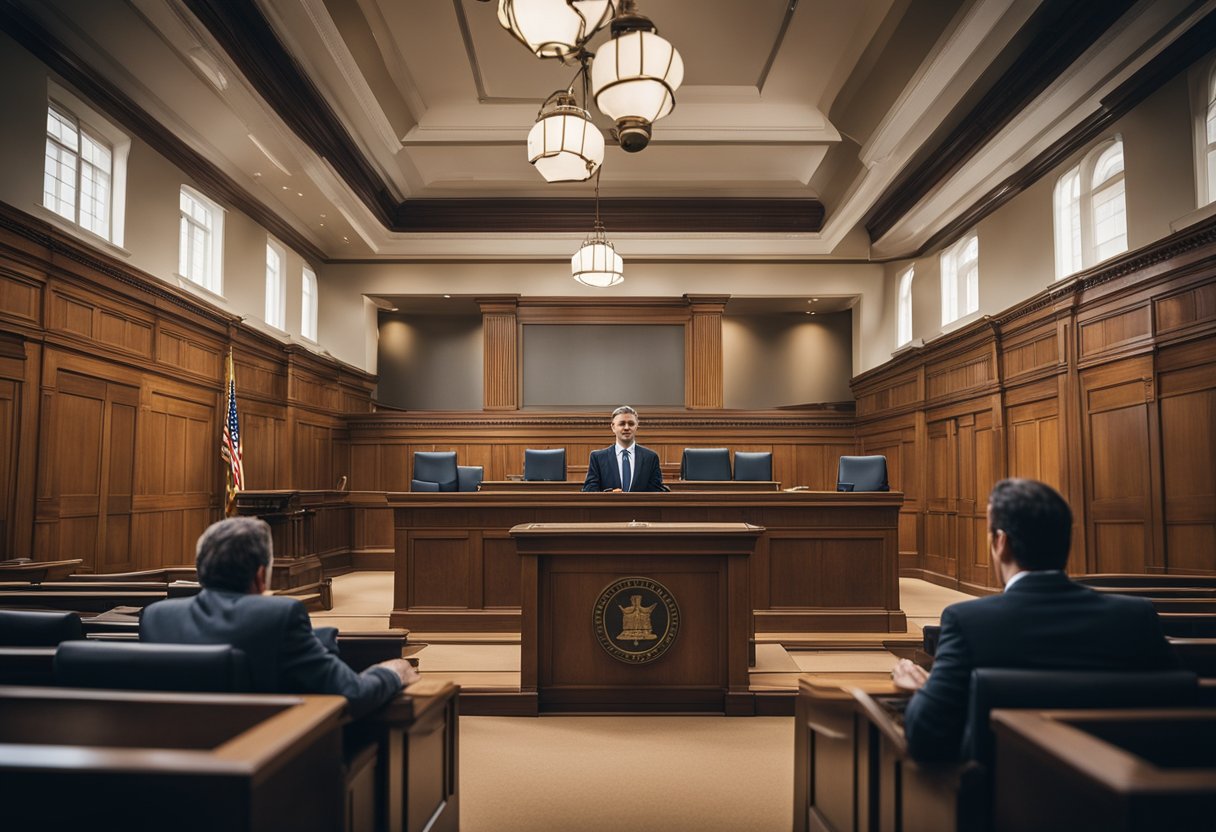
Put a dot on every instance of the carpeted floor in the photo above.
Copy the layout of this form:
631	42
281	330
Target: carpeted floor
632	773
636	773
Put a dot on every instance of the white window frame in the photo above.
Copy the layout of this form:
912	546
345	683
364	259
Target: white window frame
1202	79
1078	198
276	286
960	279
93	131
200	241
308	304
903	323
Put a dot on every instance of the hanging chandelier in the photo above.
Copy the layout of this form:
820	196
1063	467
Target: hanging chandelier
633	79
597	263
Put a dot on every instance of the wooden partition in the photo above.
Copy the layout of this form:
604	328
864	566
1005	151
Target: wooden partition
1103	386
112	401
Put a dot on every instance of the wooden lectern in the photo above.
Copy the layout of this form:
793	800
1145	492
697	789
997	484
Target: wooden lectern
636	617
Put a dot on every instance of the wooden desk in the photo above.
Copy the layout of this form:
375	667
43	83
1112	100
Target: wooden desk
530	486
569	570
827	562
74	759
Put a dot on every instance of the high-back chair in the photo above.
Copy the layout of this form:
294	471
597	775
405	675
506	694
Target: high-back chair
124	665
862	473
754	465
435	471
547	465
705	464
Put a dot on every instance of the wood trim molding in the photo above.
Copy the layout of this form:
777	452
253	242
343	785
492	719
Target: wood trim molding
24	29
1188	48
1052	38
500	355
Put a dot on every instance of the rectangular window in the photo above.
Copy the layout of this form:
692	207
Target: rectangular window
308	304
77	172
275	301
960	279
200	240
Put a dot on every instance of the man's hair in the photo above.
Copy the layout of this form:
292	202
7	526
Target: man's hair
229	553
1036	520
624	409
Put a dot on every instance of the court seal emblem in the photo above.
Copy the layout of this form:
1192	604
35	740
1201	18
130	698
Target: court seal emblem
636	620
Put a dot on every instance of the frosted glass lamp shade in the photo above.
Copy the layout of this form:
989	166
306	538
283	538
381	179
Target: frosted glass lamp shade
554	28
564	145
597	263
635	76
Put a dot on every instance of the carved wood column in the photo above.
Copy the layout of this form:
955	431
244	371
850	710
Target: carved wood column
703	351
500	355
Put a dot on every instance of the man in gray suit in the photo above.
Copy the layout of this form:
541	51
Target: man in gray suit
285	654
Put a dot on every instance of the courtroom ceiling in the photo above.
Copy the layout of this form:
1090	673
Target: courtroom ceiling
804	130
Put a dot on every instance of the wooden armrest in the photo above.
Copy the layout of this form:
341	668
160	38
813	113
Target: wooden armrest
882	720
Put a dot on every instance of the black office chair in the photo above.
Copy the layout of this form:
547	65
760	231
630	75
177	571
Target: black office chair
862	473
29	628
754	465
705	464
124	665
469	477
435	471
545	465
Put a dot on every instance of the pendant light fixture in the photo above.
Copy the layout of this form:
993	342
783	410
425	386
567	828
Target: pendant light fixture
597	263
554	28
564	144
635	76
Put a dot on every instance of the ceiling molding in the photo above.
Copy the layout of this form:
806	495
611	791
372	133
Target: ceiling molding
1188	48
246	35
25	30
619	215
1063	29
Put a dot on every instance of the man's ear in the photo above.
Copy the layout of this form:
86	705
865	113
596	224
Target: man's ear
259	584
1000	545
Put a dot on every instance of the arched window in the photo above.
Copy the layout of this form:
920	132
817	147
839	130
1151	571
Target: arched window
276	301
903	329
1090	210
961	279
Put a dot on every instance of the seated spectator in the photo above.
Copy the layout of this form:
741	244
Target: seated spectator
1042	620
285	655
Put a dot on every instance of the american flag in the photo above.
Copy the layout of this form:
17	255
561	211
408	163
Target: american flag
230	447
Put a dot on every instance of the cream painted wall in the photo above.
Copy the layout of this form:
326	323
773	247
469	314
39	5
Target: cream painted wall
347	284
1017	242
770	361
151	216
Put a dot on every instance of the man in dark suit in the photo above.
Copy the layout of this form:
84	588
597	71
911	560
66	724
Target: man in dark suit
285	654
1042	620
626	465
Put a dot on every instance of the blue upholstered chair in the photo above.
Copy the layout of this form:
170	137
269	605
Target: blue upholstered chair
754	465
705	464
548	465
469	477
435	471
862	473
126	665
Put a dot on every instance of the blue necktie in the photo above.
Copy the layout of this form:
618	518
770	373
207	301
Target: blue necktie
626	474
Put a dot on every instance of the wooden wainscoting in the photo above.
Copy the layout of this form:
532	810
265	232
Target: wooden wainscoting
1103	386
112	401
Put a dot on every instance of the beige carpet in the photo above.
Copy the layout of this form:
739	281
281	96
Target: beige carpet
607	774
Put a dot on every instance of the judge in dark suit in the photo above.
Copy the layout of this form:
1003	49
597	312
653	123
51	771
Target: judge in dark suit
1042	621
285	654
626	465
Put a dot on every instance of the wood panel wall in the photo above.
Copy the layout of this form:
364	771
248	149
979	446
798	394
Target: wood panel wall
1103	386
112	406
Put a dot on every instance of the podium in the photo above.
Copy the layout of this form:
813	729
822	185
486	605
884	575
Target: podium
636	617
